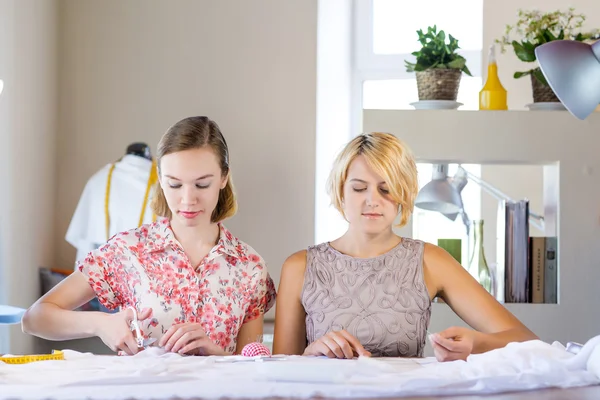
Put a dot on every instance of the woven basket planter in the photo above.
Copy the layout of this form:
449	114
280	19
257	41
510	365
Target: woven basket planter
438	84
541	92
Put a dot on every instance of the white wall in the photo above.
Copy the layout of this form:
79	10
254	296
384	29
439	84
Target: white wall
131	69
28	53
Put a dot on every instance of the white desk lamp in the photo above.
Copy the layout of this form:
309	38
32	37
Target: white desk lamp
443	194
572	70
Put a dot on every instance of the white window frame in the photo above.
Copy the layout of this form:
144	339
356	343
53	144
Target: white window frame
367	65
388	66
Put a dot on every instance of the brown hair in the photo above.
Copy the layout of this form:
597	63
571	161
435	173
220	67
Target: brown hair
193	133
390	158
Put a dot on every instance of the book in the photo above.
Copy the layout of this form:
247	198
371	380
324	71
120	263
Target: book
537	256
551	271
516	251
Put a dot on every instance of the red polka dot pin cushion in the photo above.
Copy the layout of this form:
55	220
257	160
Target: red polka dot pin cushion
255	349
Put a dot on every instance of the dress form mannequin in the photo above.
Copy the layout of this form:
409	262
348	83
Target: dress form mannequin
139	149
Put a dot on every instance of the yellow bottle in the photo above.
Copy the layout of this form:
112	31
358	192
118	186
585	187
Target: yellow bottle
493	95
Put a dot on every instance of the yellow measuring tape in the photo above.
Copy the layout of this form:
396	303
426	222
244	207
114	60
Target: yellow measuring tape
152	179
56	355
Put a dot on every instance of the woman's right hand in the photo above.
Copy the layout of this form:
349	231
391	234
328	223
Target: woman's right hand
338	344
115	332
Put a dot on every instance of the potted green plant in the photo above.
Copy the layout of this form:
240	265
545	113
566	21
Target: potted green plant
534	28
438	67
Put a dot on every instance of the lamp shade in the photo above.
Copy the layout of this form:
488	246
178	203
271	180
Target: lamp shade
459	181
572	69
439	195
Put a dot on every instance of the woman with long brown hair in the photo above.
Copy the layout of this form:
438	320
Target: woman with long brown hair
193	286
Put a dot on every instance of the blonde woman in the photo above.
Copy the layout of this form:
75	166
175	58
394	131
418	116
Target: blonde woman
195	287
369	292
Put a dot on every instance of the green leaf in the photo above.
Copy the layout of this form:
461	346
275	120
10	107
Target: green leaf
441	37
421	67
457	63
522	53
540	38
466	71
549	36
437	51
528	46
518	75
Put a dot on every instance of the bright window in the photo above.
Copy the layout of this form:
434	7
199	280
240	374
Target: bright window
385	36
395	23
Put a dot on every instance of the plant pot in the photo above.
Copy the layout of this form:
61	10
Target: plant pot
438	84
542	93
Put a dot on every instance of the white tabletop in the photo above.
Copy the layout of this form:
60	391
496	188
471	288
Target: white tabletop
157	374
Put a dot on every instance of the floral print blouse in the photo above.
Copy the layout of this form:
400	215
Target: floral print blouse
147	268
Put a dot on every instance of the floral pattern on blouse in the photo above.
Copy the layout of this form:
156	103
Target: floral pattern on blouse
147	267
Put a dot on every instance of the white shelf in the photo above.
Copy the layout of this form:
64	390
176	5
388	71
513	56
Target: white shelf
503	137
570	150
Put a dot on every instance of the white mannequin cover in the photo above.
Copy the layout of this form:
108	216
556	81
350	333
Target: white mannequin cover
87	229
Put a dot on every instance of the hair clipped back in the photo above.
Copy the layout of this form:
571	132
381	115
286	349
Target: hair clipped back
390	158
194	133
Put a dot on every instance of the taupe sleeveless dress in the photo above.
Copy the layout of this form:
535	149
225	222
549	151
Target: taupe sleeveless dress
382	301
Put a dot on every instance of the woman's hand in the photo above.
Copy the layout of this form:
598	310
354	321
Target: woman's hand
454	343
339	344
189	338
115	330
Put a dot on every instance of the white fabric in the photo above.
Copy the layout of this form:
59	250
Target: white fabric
87	229
159	375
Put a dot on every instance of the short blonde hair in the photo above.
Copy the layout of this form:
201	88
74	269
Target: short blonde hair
194	133
390	158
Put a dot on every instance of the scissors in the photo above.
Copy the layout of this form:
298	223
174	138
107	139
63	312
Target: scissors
134	325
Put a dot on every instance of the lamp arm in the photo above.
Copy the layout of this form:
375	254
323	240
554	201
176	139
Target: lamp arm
538	220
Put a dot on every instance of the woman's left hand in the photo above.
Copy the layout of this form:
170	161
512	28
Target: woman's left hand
189	338
454	343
